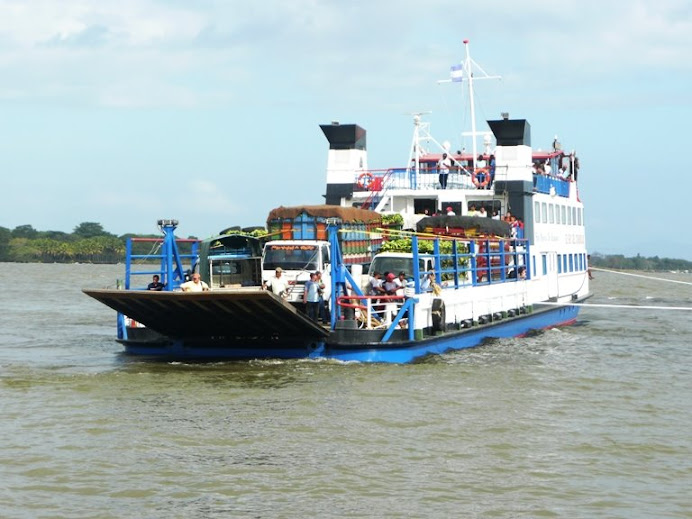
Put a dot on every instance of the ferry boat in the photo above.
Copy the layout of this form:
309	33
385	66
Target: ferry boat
490	244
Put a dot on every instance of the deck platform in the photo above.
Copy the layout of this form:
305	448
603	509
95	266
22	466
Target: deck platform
239	313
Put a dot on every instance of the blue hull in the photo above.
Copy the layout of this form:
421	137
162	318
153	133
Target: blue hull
402	351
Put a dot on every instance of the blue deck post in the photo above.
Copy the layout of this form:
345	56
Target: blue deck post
128	262
335	267
474	264
455	255
503	264
416	266
438	261
168	227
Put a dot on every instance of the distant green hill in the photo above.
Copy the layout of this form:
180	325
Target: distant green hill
88	243
620	262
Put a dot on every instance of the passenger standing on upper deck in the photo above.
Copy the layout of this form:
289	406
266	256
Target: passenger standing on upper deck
481	171
491	171
450	211
443	167
548	168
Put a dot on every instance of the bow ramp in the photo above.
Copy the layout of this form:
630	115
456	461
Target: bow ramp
240	313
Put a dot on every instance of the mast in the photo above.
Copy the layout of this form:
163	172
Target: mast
466	68
469	74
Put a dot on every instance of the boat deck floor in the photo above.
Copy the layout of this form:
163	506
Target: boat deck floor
239	313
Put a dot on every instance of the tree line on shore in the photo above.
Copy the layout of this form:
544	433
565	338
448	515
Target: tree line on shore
90	243
638	262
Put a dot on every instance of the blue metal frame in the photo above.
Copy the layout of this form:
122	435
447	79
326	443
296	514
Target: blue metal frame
171	271
340	274
341	277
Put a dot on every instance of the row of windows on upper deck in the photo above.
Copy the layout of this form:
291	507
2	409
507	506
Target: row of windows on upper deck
557	213
574	262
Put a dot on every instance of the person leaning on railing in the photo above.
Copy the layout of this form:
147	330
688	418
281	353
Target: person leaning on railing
430	284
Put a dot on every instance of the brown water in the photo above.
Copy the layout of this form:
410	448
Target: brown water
588	421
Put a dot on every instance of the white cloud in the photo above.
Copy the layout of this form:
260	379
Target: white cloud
136	53
131	22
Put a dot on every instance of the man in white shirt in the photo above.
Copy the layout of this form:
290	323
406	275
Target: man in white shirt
443	167
278	283
195	284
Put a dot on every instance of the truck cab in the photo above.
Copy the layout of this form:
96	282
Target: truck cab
396	262
297	259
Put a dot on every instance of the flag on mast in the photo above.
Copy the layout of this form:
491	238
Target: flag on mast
456	72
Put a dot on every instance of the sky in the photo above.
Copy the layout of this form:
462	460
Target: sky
208	111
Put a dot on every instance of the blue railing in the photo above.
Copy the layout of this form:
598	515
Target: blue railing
483	261
474	262
406	178
544	183
171	270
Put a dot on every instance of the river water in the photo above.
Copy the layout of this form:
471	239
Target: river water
592	420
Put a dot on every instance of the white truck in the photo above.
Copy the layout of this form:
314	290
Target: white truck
299	243
297	259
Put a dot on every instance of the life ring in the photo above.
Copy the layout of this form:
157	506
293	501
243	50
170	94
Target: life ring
486	177
365	181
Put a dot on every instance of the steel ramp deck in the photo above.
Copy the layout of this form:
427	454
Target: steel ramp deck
237	313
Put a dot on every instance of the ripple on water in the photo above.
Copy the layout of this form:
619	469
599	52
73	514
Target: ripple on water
585	421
